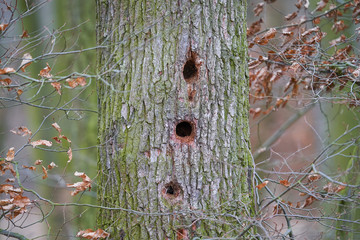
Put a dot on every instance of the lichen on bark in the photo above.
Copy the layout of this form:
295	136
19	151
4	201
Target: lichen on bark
185	186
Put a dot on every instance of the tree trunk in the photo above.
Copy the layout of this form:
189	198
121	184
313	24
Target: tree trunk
173	119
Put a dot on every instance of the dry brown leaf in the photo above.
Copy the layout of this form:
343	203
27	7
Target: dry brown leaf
286	100
3	26
259	8
10	154
316	20
5	202
285	183
5	82
311	30
340	39
19	92
27	60
14	213
38	162
313	177
279	101
290	53
57	139
16	205
72	82
321	5
270	34
91	234
64	137
23	131
299	4
81	81
261	185
267	111
69	153
307	3
343	53
339	26
41	142
254	28
45	172
255	112
291	16
295	66
7	70
51	165
57	127
80	186
331	188
45	72
25	34
57	87
339	188
289	84
254	64
308	201
8	188
21	201
261	41
277	209
75	82
32	168
82	175
4	166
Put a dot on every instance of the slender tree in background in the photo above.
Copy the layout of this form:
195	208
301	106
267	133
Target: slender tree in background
173	119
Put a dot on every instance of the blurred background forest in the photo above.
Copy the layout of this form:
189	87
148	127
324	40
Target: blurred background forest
284	141
54	27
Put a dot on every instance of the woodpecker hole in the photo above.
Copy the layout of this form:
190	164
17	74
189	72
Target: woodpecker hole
190	69
184	129
172	191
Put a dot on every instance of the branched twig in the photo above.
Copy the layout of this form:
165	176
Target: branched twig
13	235
267	144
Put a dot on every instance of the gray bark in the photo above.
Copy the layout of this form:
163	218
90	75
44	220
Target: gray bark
173	119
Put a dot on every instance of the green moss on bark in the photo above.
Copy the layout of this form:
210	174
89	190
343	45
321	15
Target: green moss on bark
143	95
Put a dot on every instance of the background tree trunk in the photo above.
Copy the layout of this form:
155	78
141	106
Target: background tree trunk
173	119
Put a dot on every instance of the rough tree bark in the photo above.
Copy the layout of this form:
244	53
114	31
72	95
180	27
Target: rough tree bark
173	118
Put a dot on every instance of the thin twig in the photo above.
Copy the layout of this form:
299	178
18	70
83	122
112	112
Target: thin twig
13	235
267	144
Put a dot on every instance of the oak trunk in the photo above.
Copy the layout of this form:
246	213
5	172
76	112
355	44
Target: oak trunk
174	152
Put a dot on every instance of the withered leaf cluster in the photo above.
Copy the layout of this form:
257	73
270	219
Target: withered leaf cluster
295	58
